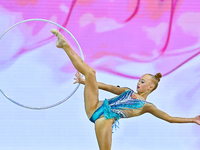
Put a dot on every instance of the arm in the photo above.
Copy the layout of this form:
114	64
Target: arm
102	86
162	115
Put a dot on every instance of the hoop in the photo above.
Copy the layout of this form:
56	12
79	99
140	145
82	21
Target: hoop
56	104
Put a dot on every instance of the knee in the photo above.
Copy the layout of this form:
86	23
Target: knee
91	72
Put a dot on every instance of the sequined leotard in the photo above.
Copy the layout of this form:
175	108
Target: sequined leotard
117	107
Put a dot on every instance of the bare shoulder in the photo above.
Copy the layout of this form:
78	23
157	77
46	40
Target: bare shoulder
148	107
125	88
116	89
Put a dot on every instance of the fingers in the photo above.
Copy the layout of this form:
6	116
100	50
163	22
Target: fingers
197	119
76	81
76	74
78	77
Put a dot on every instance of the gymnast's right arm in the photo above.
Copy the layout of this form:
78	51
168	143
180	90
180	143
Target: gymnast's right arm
102	86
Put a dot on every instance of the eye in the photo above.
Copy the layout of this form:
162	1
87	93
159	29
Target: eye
142	81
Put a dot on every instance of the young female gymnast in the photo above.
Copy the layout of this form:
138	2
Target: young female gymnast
126	104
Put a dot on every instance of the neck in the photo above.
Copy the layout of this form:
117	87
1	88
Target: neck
144	95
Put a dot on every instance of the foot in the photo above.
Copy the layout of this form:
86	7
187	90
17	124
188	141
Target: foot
61	39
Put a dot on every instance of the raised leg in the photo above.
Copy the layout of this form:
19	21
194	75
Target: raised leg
91	86
103	130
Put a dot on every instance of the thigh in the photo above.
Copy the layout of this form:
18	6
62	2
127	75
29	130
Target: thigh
91	92
103	129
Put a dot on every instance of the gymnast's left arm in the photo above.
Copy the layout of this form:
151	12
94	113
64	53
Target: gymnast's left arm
110	88
164	116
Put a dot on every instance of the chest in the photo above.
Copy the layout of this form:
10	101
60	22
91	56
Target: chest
136	96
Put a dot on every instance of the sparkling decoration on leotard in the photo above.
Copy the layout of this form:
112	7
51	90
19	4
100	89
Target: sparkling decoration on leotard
53	105
114	108
134	96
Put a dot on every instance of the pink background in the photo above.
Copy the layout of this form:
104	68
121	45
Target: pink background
122	40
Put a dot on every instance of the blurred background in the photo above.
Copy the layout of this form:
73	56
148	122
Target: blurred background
122	40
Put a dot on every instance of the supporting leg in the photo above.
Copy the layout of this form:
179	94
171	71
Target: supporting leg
103	130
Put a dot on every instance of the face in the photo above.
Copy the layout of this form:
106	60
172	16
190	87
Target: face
145	84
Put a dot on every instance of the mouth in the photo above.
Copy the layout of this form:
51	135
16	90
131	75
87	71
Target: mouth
138	87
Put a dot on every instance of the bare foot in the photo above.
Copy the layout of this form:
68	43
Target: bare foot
61	39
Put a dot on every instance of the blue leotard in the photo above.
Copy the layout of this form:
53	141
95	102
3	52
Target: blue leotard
114	108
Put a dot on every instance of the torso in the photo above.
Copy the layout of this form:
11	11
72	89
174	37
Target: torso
125	105
137	112
131	96
142	110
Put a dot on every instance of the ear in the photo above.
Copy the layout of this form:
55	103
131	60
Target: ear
151	87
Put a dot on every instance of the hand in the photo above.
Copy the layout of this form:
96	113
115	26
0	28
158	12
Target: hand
197	119
78	78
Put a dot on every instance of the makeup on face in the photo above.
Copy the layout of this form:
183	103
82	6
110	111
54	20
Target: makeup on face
143	83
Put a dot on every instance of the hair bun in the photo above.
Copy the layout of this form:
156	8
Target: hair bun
158	76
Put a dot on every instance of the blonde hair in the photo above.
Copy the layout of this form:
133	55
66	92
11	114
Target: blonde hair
156	79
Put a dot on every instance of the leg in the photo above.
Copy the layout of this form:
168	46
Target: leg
78	63
103	130
91	86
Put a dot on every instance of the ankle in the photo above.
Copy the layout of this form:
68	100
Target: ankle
65	45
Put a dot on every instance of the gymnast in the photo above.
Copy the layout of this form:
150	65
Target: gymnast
105	114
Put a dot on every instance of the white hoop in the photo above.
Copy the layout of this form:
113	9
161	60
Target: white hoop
50	106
